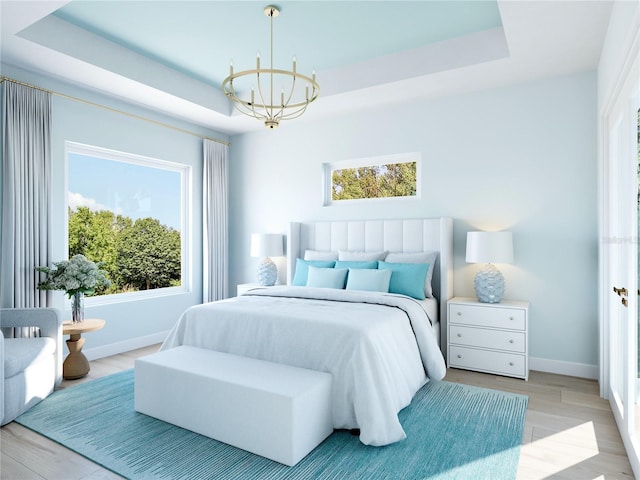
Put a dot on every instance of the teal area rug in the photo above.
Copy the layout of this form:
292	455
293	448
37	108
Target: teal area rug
453	432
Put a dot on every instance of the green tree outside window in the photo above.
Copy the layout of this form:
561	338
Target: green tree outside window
377	181
137	255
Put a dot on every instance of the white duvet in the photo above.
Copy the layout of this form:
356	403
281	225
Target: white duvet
380	348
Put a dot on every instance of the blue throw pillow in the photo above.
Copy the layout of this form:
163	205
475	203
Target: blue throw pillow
302	270
369	280
406	278
354	264
326	277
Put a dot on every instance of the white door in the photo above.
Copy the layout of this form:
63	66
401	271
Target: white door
620	257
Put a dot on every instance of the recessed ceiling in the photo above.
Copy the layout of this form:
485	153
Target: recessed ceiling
172	56
199	38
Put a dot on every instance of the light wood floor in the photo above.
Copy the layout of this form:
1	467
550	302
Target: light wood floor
569	433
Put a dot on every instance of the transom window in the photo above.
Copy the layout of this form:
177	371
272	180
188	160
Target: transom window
391	176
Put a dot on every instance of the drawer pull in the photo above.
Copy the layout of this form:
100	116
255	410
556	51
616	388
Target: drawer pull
511	317
460	335
459	356
511	364
459	314
511	341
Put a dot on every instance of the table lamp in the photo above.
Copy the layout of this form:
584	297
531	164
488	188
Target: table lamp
267	245
489	248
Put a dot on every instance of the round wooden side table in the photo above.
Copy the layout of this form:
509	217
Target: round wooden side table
76	364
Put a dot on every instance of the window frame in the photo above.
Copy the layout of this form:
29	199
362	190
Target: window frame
186	184
329	167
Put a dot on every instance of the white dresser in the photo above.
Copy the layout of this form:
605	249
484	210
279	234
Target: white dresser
489	337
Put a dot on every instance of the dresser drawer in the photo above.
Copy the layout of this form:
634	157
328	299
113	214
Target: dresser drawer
494	339
485	316
493	362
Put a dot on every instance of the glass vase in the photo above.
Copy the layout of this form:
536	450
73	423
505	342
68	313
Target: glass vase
77	307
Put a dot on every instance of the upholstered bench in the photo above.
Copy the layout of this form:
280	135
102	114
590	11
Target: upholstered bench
274	410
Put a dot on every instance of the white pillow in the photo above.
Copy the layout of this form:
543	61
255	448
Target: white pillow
368	280
318	255
417	257
326	277
358	256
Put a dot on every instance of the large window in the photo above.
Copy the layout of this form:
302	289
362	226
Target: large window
130	213
391	176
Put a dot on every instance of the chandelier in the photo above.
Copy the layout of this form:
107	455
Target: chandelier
261	104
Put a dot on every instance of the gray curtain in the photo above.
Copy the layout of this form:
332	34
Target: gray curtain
26	195
215	244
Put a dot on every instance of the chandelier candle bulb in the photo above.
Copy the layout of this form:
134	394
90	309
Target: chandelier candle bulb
231	68
282	97
294	64
258	61
252	95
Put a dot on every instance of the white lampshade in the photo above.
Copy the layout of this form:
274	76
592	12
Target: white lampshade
489	247
266	245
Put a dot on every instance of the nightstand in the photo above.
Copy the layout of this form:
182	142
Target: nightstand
245	287
489	337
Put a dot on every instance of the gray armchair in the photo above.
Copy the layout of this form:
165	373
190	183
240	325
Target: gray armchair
30	368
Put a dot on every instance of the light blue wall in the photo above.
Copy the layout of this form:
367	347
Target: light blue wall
521	158
87	124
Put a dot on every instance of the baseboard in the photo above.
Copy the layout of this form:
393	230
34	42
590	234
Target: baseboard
560	367
125	346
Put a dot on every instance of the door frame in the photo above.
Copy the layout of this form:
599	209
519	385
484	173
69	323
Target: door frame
627	87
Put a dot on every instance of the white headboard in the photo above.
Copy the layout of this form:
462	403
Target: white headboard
405	235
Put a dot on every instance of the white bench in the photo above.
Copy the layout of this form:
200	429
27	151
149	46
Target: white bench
274	410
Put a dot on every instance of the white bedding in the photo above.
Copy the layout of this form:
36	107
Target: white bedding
380	348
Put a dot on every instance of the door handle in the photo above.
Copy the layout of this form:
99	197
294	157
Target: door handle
622	292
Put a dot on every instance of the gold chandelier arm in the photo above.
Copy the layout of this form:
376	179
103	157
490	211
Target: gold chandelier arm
293	88
245	108
259	93
229	92
295	114
247	111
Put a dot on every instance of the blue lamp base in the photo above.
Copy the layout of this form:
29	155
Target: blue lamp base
267	273
489	284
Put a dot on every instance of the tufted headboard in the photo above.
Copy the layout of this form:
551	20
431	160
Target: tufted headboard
403	235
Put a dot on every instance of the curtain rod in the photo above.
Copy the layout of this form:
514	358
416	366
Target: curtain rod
104	107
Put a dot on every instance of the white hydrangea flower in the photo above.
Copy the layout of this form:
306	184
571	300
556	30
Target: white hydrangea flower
76	275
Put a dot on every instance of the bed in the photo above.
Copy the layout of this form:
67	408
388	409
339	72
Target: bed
381	348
